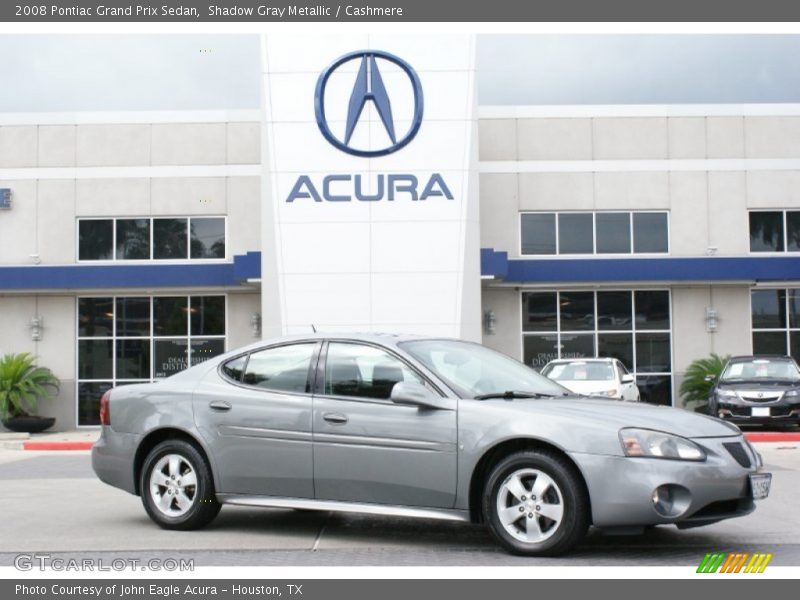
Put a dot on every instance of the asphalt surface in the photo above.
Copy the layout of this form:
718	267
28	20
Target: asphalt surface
53	504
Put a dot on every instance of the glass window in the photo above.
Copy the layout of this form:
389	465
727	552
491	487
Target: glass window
538	350
170	315
95	239
613	233
281	369
133	359
115	342
793	231
655	389
363	371
616	345
768	309
133	239
575	233
89	394
235	368
794	345
208	315
539	233
577	311
577	345
169	239
652	309
539	311
650	233
769	342
201	350
614	311
95	359
208	237
95	317
766	231
794	308
171	356
653	353
133	317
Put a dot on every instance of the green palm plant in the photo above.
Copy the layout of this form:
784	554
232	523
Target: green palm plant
22	384
700	376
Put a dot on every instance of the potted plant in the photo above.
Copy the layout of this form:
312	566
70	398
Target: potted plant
22	385
699	380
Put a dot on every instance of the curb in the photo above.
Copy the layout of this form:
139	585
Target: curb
772	436
29	445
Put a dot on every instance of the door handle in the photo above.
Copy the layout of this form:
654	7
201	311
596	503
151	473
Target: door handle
335	418
219	405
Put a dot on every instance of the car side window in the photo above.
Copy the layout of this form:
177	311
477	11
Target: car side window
363	371
234	368
281	369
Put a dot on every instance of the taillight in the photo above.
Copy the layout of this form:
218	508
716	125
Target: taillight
105	413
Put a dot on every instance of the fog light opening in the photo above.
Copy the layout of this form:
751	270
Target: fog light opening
671	500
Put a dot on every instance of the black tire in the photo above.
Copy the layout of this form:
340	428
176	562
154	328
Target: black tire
574	521
204	506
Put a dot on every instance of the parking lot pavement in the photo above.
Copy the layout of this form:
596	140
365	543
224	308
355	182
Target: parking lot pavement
54	504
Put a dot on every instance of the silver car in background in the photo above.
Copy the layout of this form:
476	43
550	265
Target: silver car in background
403	425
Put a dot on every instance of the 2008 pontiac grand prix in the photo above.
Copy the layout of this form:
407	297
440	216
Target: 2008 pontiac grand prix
403	425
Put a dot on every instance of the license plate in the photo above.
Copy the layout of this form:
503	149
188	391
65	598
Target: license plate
760	411
759	485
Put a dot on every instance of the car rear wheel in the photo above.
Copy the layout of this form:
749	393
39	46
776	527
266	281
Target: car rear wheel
177	487
535	504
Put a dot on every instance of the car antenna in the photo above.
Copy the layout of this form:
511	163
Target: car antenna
314	329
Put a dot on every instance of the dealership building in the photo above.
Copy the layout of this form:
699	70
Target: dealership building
373	192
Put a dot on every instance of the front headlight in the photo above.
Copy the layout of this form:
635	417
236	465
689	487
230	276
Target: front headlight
791	394
726	394
647	443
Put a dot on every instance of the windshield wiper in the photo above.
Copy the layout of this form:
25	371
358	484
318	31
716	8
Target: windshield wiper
511	395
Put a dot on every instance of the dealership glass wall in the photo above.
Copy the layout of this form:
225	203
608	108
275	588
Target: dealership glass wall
136	339
631	325
775	315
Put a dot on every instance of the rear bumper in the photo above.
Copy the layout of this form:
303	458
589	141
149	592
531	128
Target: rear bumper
113	458
621	488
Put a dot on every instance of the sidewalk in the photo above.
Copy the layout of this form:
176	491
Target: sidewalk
66	440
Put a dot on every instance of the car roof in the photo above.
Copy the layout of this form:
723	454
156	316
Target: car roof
386	339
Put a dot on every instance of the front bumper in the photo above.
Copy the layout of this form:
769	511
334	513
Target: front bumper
621	488
741	412
113	457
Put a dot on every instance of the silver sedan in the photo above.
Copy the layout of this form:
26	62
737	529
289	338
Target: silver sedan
432	428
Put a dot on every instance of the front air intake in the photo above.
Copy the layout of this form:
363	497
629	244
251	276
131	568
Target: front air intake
739	454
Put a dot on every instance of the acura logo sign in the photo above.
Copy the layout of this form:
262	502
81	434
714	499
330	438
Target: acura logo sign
369	89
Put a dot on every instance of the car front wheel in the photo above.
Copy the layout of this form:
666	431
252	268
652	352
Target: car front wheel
535	504
177	487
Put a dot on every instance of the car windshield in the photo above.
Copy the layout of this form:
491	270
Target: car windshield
579	371
761	369
473	370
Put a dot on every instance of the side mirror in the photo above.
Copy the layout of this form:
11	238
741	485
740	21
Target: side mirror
411	393
710	378
627	378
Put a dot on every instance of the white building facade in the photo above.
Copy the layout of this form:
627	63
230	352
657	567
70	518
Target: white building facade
372	192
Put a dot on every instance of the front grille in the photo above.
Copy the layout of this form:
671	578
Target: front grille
762	398
738	452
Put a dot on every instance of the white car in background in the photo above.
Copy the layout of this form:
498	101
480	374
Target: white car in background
594	377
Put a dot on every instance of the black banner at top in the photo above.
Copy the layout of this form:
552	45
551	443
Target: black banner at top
263	11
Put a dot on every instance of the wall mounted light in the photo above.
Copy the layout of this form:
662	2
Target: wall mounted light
489	322
36	325
711	319
255	324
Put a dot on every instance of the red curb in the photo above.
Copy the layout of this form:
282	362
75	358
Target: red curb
57	445
772	436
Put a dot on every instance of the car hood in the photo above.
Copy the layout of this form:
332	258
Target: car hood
602	413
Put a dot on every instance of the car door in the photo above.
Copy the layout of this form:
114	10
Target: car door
255	416
628	389
369	449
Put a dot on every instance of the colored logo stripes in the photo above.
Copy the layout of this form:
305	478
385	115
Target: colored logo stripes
734	562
